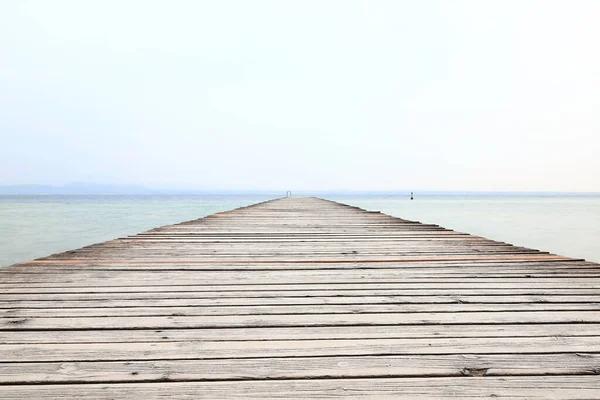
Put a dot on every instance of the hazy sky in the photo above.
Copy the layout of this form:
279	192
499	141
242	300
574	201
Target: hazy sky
373	95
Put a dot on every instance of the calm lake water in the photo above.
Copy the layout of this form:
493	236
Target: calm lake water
565	225
36	226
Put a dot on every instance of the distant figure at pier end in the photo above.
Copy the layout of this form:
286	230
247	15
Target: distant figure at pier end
412	197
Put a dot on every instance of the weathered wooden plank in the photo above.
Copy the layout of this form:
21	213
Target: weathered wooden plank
91	302
530	387
398	319
299	333
295	348
151	293
304	277
238	285
300	288
450	266
435	257
287	309
300	368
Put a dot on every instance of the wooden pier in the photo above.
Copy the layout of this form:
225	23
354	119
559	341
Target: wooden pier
300	298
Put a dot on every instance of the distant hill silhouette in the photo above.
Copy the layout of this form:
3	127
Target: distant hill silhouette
80	188
76	189
110	189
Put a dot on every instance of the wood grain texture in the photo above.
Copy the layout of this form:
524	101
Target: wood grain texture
513	387
300	298
299	368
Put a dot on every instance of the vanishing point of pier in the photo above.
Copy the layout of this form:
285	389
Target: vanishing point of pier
300	298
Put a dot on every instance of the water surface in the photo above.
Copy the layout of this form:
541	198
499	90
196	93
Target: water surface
565	225
37	226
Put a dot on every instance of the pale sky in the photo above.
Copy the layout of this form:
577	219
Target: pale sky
302	95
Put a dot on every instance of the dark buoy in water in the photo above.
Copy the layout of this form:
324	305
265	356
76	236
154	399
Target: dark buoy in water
412	197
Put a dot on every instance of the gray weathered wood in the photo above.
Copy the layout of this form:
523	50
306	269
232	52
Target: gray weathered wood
527	387
300	367
278	299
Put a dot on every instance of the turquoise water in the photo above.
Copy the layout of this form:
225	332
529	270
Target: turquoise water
565	225
36	226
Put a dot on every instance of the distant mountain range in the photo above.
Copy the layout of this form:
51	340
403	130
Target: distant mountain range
110	189
74	188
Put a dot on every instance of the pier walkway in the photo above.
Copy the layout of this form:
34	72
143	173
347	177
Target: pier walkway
300	298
